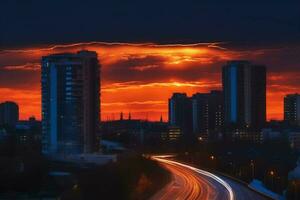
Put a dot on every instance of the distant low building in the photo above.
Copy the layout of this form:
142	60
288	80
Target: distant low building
31	123
174	133
134	132
292	109
3	135
248	135
294	139
9	113
295	173
270	134
281	130
28	131
111	146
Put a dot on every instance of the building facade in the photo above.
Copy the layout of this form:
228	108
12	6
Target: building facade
292	109
9	113
244	87
200	104
208	115
180	113
70	102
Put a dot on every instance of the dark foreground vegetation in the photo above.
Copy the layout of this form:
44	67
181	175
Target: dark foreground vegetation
23	170
132	177
26	174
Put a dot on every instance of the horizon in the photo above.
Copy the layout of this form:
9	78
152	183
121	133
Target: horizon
169	99
180	49
160	69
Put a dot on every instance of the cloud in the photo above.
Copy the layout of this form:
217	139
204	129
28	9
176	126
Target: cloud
134	103
140	77
145	67
26	67
134	85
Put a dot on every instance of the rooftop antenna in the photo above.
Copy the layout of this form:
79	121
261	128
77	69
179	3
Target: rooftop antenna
121	116
129	116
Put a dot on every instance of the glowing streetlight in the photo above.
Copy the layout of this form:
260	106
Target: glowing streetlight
295	189
272	173
252	168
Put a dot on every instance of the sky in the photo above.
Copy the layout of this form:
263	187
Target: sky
149	49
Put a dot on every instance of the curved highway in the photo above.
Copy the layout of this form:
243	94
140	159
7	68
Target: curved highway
191	183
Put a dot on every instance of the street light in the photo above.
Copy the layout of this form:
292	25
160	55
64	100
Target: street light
252	168
272	173
212	158
295	190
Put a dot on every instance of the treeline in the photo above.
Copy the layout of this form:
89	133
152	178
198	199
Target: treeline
23	170
132	177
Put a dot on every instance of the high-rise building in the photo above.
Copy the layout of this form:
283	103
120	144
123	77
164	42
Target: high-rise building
216	110
207	113
292	109
244	87
180	112
9	113
200	113
70	102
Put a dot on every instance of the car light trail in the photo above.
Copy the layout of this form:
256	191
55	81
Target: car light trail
162	158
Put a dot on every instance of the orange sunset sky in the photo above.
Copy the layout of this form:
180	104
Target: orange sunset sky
139	78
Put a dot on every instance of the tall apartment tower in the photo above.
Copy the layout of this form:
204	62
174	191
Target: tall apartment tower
208	115
70	102
244	87
200	113
292	109
9	113
180	112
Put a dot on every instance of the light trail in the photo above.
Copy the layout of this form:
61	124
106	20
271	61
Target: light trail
162	159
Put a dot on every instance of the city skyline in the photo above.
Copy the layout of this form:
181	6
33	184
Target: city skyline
140	67
149	99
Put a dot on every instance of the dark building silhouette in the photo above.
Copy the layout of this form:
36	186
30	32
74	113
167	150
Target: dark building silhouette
180	113
9	113
70	102
28	131
133	132
208	115
244	87
200	113
292	109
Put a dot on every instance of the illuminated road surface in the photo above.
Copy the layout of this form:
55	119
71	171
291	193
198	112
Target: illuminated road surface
191	183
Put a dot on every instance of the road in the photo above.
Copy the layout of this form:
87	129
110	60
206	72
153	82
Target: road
192	184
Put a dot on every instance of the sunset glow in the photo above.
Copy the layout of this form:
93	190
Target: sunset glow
139	78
